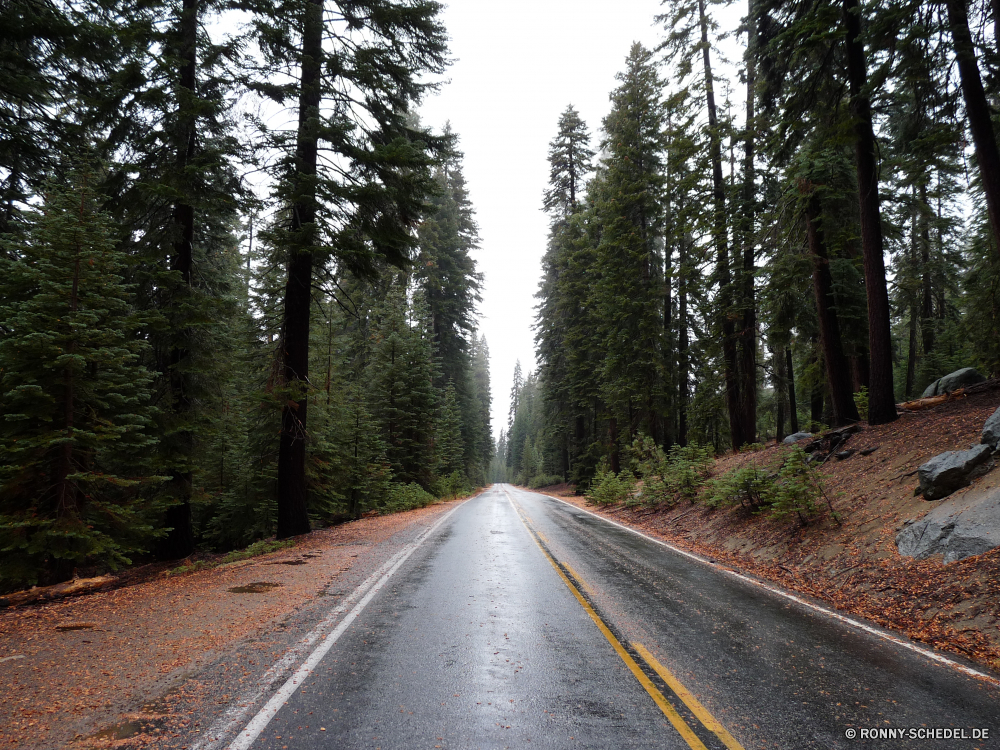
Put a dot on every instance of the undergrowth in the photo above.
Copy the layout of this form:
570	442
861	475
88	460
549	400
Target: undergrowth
263	547
786	487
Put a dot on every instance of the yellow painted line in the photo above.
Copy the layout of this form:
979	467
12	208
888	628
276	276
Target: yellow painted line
669	711
583	584
690	701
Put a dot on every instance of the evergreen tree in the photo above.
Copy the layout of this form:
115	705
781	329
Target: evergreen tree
448	445
354	215
74	399
629	291
570	160
400	375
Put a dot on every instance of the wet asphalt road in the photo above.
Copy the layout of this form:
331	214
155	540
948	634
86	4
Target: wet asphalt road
478	642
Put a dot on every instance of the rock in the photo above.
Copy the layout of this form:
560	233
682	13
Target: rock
957	528
953	470
869	451
991	431
845	454
798	436
953	381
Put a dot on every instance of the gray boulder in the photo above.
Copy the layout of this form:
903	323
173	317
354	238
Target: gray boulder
953	470
991	431
796	437
963	526
953	381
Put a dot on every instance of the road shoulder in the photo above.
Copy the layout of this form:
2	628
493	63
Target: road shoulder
150	665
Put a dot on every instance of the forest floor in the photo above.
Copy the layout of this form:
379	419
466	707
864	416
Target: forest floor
127	667
855	566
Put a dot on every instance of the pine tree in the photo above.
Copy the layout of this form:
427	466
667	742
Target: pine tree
628	293
180	215
400	376
570	158
74	398
447	275
881	400
354	216
448	444
480	452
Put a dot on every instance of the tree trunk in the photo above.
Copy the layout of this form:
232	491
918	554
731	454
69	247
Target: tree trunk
911	346
927	301
780	389
725	301
179	541
613	440
911	353
293	516
682	345
747	340
793	409
978	111
838	371
881	400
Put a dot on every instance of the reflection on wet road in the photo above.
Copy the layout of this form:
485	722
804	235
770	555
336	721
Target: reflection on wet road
526	622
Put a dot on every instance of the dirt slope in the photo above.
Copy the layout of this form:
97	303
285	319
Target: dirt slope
855	567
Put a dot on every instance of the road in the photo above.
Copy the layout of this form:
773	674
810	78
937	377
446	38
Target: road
523	622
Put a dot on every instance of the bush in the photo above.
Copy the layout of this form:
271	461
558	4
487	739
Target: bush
257	548
792	488
861	401
670	477
402	497
544	480
746	486
452	485
799	489
611	489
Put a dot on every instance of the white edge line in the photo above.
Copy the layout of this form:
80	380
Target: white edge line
792	597
367	591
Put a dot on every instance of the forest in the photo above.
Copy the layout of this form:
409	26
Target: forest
796	244
237	291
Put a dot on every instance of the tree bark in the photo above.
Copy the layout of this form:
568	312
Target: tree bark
725	303
293	515
793	409
179	541
881	399
838	371
927	301
780	389
977	109
747	339
682	344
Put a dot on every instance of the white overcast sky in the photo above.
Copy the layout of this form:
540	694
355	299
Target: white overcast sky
517	65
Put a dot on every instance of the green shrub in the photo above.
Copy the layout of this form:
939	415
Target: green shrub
799	489
794	487
861	401
258	548
747	486
452	485
611	489
402	497
544	480
669	477
688	468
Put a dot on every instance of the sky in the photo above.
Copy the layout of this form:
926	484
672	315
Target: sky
517	65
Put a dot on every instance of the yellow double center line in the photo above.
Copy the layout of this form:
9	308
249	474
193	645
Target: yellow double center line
693	704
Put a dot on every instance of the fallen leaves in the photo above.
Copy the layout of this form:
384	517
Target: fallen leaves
114	648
